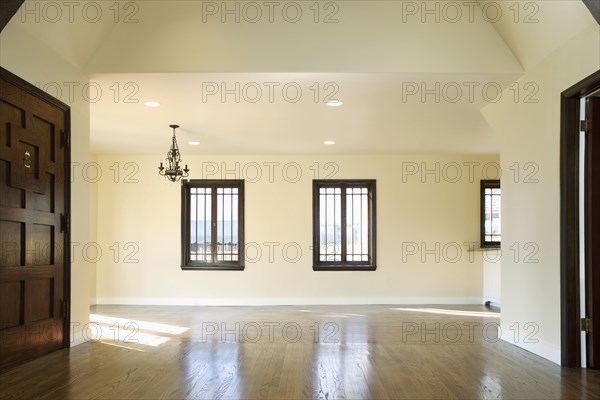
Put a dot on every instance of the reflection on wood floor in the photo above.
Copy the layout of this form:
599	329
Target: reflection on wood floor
294	352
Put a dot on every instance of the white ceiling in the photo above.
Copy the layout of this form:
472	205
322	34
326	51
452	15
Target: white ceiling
172	51
380	113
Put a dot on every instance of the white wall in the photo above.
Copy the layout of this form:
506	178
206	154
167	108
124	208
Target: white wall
32	61
146	215
492	277
530	133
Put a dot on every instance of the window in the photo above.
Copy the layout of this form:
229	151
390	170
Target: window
490	213
212	221
344	225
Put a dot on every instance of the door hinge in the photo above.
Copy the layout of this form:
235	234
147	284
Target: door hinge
65	138
65	309
586	325
586	125
65	223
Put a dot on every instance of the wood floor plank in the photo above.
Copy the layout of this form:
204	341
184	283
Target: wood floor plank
316	352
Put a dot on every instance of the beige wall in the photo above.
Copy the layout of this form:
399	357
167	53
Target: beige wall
412	210
93	228
25	57
530	133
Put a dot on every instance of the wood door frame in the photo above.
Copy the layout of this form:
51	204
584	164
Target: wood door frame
569	218
43	96
8	8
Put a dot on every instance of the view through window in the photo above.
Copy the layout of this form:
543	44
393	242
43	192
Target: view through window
490	213
343	224
212	221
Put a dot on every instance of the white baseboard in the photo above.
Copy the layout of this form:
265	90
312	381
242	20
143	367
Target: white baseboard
493	303
159	301
77	338
542	349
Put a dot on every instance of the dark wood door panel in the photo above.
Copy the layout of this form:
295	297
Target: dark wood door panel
27	216
11	197
29	156
12	295
26	342
12	253
45	201
33	240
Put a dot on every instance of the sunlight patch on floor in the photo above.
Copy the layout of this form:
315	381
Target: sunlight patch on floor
143	325
121	346
123	332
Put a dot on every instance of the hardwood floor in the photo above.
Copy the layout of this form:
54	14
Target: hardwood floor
293	352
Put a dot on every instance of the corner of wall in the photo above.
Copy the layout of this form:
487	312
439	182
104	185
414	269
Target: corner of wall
529	131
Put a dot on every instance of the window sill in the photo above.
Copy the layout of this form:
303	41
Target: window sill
212	267
344	267
480	248
490	246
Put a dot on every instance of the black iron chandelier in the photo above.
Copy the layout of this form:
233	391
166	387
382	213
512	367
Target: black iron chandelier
173	171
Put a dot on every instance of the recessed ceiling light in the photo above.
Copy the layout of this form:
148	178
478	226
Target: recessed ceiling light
194	143
334	103
152	104
329	142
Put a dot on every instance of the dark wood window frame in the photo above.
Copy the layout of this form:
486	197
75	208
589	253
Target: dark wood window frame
369	265
186	262
486	184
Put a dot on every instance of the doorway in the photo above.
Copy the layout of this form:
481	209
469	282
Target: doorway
580	224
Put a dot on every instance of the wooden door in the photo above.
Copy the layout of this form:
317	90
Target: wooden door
592	230
34	205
